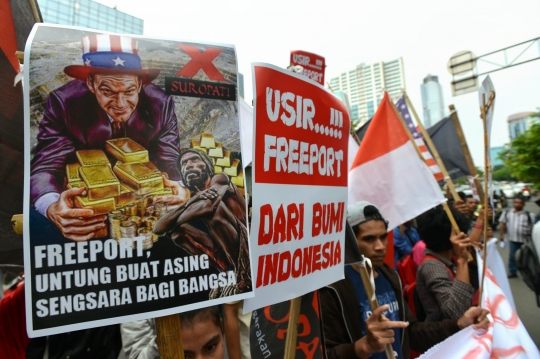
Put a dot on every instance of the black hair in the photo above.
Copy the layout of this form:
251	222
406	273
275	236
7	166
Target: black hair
206	159
435	228
519	196
462	195
188	319
371	213
470	196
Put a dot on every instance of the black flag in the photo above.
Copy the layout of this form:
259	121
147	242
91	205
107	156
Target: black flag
446	140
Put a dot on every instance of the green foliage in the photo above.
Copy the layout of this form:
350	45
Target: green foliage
522	156
503	173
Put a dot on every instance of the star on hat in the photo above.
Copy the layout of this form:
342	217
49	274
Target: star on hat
118	61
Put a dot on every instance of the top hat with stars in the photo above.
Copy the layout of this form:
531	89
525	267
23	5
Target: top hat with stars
110	54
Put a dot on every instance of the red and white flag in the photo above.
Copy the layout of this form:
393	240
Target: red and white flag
401	105
388	172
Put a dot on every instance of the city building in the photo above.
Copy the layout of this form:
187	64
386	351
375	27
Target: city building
364	86
241	85
519	123
494	154
432	100
90	14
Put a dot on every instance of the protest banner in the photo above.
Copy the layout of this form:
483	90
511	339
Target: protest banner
300	181
268	330
134	188
313	65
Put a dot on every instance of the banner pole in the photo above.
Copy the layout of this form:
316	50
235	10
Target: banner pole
445	204
468	158
292	328
433	150
373	302
169	337
487	168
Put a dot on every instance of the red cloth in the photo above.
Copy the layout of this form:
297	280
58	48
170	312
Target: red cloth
13	336
389	259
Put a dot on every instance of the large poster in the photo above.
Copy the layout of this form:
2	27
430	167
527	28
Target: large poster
134	187
313	65
299	186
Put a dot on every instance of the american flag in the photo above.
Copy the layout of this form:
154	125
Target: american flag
430	161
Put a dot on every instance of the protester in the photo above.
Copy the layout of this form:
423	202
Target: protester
13	337
405	237
443	284
352	330
202	336
472	206
517	223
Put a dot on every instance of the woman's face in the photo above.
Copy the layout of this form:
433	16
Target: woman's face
203	340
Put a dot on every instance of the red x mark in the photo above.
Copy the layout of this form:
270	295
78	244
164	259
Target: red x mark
201	60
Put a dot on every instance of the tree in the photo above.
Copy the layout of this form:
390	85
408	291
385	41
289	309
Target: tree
503	173
522	156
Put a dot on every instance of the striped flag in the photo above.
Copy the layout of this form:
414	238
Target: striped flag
430	161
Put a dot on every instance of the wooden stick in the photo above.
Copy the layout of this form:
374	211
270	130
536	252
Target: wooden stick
373	302
35	11
445	205
169	337
292	328
433	150
468	158
487	168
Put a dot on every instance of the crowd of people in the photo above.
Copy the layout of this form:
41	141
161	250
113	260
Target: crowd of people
414	314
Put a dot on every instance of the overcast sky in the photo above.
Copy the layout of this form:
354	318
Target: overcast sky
425	33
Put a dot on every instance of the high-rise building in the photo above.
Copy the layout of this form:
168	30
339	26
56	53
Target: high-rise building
432	100
364	86
90	14
519	123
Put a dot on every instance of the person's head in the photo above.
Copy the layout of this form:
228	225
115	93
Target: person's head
462	196
202	334
113	71
519	202
196	169
117	95
472	204
435	228
370	229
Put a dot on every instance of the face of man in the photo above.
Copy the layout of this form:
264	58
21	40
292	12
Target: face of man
472	204
518	204
372	241
194	171
203	340
117	95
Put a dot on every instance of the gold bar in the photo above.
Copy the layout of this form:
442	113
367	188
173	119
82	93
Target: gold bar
139	177
233	170
126	150
242	191
72	172
238	181
166	191
92	158
217	169
226	160
195	144
100	206
126	196
207	140
100	182
217	151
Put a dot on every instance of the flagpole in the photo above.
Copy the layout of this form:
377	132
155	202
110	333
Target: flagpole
466	152
411	138
433	149
169	337
483	111
292	328
372	298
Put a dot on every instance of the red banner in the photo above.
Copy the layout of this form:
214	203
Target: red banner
313	64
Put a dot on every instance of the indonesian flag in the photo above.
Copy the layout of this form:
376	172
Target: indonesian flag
506	336
430	161
388	172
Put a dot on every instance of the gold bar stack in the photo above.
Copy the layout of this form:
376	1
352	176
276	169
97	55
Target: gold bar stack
127	189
